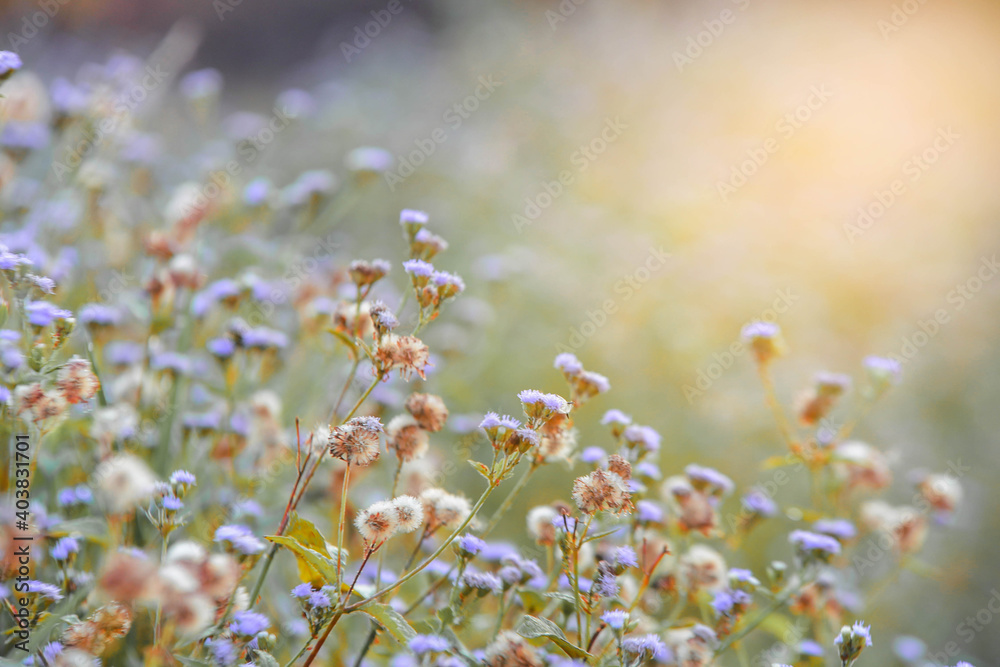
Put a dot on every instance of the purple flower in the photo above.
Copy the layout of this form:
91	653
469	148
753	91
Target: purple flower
758	502
470	545
123	352
319	600
100	314
883	370
592	454
263	338
249	623
605	584
419	268
411	217
25	135
223	348
646	647
223	651
811	648
172	503
241	538
910	649
645	436
43	313
421	644
45	590
814	543
172	361
530	396
760	330
839	528
709	477
484	582
65	547
647	469
201	83
615	619
568	363
302	590
615	416
625	556
183	477
10	62
52	651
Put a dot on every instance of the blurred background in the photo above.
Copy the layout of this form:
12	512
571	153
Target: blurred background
635	181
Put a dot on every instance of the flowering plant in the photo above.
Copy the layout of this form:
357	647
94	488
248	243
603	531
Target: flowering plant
165	416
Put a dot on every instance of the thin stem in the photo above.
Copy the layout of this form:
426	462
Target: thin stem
343	516
749	627
784	426
509	500
343	610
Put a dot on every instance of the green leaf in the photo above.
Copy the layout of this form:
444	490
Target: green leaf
314	567
481	469
391	620
603	534
533	601
533	627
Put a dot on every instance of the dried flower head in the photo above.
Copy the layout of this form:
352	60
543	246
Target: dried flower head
429	410
357	441
404	435
602	490
443	509
377	523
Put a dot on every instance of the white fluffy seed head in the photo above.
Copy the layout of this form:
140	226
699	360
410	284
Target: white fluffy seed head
409	513
444	509
404	435
540	524
377	523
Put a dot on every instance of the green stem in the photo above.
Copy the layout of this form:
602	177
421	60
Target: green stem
340	525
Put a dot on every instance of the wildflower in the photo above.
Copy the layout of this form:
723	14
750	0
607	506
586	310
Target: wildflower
642	436
842	529
240	539
51	650
302	590
883	371
123	483
182	479
816	404
99	315
172	503
365	159
382	318
426	245
618	421
404	435
616	619
541	407
709	481
764	339
624	557
412	222
443	509
905	526
377	523
592	454
357	441
224	652
482	582
942	492
41	403
702	567
568	364
758	503
695	510
249	623
44	590
409	513
64	548
10	62
605	584
556	441
429	411
510	650
408	354
420	271
602	490
861	466
421	644
692	646
814	546
319	600
365	274
469	545
852	641
200	84
646	647
43	313
540	524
